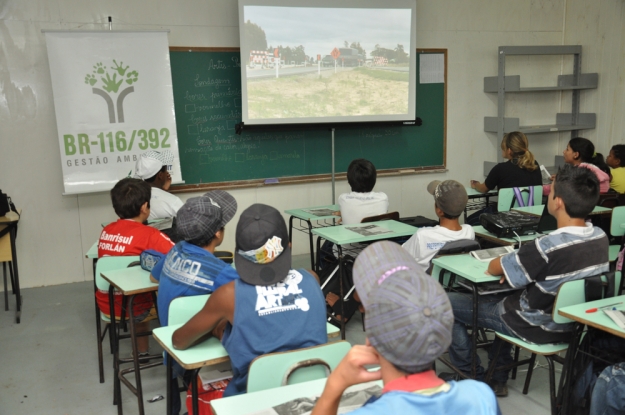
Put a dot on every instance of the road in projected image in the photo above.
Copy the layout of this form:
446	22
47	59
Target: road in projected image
326	63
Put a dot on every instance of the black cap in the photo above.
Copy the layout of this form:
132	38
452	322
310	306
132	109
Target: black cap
258	224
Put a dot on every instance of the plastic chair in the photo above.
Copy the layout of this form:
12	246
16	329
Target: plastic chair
617	228
383	216
569	293
108	263
181	309
506	199
284	368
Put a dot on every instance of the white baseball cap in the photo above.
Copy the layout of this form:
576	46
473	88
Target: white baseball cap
147	167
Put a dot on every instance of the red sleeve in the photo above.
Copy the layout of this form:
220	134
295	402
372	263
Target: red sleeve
160	242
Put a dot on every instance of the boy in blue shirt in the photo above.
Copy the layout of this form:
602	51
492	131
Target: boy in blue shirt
190	268
409	323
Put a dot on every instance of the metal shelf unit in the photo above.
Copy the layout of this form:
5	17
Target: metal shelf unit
575	82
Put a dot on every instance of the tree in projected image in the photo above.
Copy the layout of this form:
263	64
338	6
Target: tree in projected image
256	38
398	55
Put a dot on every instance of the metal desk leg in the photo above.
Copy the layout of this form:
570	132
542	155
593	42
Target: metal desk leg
194	393
564	388
16	286
310	239
6	291
341	291
169	381
474	334
115	341
135	353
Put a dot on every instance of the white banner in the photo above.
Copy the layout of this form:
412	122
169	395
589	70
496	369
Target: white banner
113	100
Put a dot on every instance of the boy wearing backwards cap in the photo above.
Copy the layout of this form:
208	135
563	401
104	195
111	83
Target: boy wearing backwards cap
409	323
190	268
450	199
152	169
270	308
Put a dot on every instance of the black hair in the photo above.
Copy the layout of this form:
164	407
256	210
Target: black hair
361	175
448	216
128	195
586	150
578	187
203	240
151	179
619	153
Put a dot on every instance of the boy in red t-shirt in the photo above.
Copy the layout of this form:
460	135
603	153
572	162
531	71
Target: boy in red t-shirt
129	236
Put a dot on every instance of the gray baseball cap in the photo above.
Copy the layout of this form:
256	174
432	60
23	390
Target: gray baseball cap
408	316
450	196
205	215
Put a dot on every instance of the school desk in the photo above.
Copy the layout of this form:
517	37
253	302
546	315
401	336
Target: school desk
341	235
474	273
598	320
8	253
481	232
302	220
130	282
477	200
207	353
537	210
255	401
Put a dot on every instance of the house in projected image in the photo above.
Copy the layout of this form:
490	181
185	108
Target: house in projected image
262	59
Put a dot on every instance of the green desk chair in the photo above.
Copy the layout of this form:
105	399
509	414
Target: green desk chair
570	293
108	263
286	368
506	199
181	309
617	228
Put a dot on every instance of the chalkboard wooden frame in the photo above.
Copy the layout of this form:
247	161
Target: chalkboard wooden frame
202	187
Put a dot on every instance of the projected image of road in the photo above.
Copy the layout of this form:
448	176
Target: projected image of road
307	62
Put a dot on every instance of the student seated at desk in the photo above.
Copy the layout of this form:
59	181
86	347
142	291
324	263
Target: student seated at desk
450	199
581	152
608	395
153	170
575	250
190	268
362	201
409	325
616	162
129	236
270	308
519	171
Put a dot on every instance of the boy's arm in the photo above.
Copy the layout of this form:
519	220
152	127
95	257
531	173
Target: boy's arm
220	305
350	371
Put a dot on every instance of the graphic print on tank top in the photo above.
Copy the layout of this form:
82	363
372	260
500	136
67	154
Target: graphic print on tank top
282	296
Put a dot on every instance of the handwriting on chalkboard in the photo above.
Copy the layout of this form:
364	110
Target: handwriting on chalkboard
208	105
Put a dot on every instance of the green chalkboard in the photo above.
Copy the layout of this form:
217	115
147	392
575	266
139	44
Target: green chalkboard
207	99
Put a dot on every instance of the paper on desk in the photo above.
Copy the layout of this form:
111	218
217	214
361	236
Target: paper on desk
369	230
352	399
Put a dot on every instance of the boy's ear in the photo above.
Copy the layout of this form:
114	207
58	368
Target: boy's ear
145	208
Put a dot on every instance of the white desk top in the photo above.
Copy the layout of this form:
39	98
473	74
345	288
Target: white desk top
256	401
340	235
207	353
130	281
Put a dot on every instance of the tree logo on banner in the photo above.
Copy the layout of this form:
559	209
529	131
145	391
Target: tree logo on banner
111	85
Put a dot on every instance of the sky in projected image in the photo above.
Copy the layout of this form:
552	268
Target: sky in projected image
320	30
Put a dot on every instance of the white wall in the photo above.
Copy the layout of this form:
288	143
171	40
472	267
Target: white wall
56	230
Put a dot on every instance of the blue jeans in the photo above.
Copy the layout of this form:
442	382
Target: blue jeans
608	396
489	312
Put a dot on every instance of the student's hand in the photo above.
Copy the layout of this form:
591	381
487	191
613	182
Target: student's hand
553	177
474	183
351	370
502	280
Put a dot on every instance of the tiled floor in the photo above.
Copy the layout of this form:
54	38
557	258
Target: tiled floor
49	361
